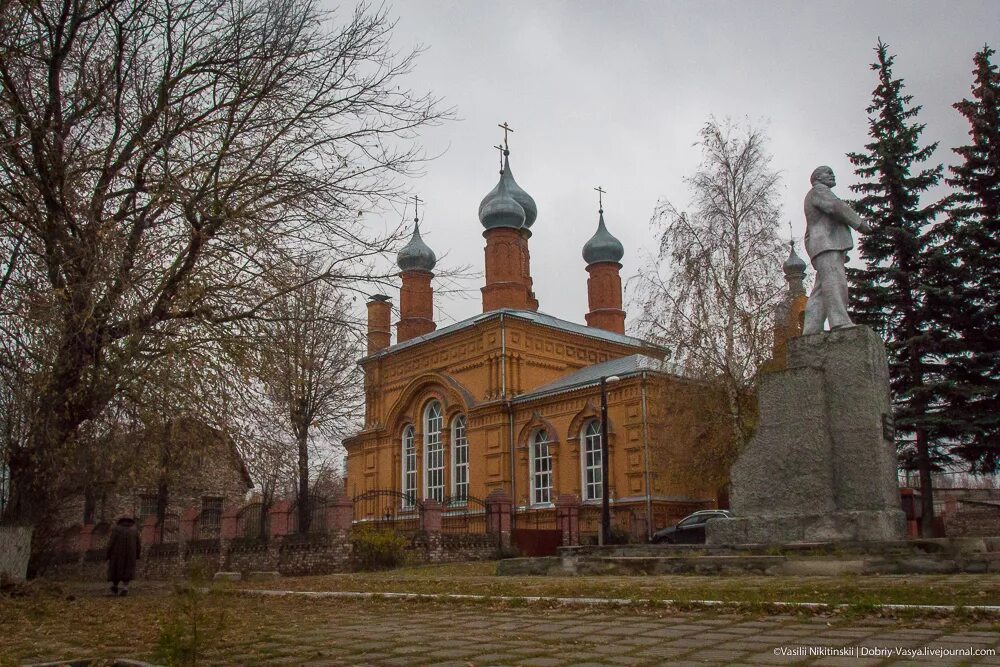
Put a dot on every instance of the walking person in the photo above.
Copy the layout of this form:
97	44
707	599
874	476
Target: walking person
123	551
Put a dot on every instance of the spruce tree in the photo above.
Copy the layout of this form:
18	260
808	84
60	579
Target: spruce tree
971	236
889	295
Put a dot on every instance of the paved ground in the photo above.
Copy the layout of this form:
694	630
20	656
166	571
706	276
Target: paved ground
296	630
463	636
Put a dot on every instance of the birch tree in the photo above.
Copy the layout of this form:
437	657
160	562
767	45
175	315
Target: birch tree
710	292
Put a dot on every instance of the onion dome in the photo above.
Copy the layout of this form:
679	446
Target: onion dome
519	195
794	266
415	255
500	208
602	246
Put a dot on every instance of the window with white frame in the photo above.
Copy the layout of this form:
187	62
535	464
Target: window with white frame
409	469
434	452
541	468
591	449
459	458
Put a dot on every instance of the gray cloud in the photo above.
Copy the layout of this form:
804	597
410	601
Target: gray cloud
613	93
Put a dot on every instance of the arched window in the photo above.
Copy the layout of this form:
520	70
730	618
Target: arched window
591	451
409	469
434	452
541	468
459	458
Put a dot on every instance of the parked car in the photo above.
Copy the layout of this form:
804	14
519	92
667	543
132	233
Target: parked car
690	529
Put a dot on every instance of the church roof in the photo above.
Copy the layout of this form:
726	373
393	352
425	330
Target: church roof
538	318
416	255
794	265
623	367
602	246
507	204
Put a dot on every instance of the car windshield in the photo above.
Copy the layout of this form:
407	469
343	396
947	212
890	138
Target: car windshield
693	520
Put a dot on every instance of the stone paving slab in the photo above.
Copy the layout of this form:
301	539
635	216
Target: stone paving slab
381	632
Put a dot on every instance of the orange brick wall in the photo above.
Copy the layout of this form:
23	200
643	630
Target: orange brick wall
604	294
416	305
469	371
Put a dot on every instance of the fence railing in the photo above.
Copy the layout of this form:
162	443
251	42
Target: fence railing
252	522
388	509
535	518
464	515
316	506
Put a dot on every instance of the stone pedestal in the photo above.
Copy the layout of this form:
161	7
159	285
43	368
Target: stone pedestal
822	465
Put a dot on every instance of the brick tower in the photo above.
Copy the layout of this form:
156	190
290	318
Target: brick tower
507	213
416	296
790	312
379	313
603	254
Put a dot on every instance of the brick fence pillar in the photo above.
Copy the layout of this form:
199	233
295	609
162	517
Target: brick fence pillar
280	519
568	518
189	524
498	509
229	523
150	532
84	540
340	514
430	523
339	519
229	527
430	516
281	523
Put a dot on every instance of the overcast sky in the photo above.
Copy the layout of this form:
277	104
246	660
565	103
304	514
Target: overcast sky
614	93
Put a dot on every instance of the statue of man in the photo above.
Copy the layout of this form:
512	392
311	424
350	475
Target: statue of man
828	238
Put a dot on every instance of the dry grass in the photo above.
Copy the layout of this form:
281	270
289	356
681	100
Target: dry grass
478	578
59	622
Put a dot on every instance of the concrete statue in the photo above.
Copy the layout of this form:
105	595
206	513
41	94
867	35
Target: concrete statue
828	238
822	465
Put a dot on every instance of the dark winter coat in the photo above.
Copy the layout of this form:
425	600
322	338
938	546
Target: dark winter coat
123	551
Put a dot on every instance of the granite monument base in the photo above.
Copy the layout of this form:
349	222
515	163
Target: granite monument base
871	526
822	465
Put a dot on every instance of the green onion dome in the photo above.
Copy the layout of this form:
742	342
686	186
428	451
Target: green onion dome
415	255
602	246
501	208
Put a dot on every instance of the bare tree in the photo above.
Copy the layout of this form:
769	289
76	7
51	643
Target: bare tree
710	292
309	366
261	438
159	160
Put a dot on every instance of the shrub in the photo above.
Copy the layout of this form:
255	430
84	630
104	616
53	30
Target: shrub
374	549
188	628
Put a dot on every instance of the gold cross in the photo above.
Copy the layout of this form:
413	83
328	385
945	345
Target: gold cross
600	198
506	128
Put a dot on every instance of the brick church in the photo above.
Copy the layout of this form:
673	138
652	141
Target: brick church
510	399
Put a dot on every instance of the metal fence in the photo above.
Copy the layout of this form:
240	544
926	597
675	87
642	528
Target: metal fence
535	518
392	510
251	522
464	514
388	509
316	506
625	524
